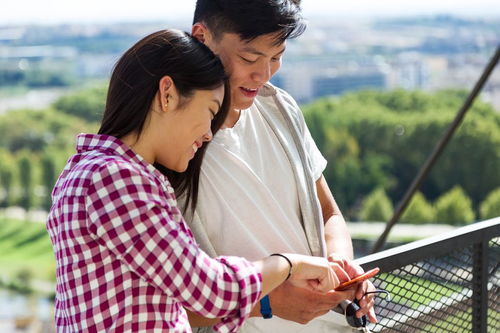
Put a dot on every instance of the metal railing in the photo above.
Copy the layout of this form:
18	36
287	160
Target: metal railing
446	283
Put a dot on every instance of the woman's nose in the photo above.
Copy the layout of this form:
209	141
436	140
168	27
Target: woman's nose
208	136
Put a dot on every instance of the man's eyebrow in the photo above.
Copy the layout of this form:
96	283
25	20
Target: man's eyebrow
252	50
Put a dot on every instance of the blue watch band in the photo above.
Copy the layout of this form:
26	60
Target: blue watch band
265	308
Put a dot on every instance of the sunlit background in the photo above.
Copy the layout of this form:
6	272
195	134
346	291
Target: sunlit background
378	81
95	11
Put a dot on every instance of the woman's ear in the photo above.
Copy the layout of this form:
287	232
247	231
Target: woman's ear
167	93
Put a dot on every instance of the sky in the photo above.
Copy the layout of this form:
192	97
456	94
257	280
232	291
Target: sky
102	11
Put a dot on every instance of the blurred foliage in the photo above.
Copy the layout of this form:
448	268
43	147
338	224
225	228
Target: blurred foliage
376	207
35	130
490	207
35	145
87	105
35	78
7	176
454	207
419	211
26	180
381	139
372	140
50	171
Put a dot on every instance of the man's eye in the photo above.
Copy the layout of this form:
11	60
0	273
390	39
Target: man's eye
248	60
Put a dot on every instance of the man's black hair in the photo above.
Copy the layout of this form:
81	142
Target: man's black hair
251	18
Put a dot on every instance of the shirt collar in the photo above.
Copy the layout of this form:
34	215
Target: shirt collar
110	144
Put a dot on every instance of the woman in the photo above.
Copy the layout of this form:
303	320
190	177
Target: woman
126	261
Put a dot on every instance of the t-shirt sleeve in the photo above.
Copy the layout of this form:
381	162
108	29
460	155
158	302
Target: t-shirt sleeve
317	162
140	224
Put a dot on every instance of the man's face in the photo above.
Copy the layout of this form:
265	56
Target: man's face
249	64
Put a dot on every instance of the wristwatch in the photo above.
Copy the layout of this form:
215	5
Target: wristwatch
265	308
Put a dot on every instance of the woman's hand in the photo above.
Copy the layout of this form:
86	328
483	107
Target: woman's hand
315	273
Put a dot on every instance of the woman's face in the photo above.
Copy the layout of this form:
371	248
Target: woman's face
187	127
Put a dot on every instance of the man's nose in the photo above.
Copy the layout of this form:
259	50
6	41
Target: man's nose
263	74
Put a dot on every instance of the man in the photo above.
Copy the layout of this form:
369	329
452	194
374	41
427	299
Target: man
261	186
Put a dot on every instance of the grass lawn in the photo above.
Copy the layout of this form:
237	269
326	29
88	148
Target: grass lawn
25	248
462	322
413	291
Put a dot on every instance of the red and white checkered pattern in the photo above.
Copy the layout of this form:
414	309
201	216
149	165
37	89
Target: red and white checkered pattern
126	260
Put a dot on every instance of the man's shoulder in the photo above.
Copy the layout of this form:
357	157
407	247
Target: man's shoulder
270	95
270	90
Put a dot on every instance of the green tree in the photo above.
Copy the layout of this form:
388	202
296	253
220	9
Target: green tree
26	181
86	104
49	177
419	211
490	207
35	130
396	131
454	207
376	207
7	174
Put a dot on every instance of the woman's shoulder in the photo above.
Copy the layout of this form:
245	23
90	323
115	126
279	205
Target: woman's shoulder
119	168
101	169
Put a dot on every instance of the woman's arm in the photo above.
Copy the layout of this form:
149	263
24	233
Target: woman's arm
130	216
312	273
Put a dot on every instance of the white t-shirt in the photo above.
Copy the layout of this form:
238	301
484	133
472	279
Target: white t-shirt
248	203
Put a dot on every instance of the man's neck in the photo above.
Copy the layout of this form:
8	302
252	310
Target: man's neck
232	118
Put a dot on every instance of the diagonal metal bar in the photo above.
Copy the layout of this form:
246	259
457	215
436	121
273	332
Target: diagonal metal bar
426	168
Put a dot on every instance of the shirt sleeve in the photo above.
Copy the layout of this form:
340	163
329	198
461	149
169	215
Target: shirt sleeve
316	160
140	224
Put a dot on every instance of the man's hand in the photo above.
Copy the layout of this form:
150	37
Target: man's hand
366	302
301	305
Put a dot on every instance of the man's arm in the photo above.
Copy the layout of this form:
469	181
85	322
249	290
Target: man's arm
196	320
337	237
339	246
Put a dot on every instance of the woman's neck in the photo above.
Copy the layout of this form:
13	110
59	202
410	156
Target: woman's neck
139	146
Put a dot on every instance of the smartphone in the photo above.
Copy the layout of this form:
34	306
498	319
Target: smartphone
366	275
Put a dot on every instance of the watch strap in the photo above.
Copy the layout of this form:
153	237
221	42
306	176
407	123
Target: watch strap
265	308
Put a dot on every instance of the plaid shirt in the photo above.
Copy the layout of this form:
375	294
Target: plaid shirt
126	260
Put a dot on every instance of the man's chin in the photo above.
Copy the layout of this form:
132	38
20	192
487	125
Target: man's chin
241	105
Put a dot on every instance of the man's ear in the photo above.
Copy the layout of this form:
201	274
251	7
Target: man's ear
167	94
201	33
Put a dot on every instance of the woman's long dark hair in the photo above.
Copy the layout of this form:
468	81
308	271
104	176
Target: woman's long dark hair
135	81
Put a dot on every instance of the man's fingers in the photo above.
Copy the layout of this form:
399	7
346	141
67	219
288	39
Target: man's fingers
371	316
340	273
366	301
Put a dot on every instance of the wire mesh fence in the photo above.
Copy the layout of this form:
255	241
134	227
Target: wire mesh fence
453	286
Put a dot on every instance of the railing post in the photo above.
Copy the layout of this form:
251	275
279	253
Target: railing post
480	287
